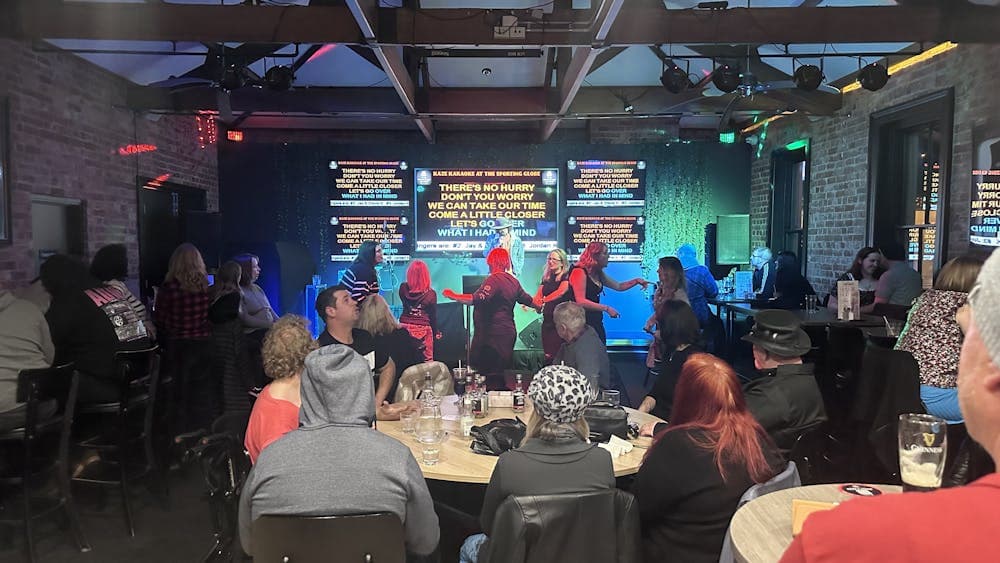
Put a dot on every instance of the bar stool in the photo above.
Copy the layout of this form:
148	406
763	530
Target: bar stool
39	388
138	379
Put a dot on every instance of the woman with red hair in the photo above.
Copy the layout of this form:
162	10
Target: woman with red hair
493	317
588	280
698	468
419	316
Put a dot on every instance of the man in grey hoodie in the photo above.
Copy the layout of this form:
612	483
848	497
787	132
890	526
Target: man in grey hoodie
335	463
25	343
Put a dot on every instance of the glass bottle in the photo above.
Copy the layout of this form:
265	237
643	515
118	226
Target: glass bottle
427	393
518	404
484	394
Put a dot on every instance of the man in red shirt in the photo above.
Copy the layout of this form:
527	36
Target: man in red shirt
954	525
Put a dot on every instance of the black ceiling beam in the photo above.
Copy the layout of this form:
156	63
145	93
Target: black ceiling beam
636	25
300	100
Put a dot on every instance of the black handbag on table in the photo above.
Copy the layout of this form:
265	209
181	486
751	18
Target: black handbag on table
498	436
606	419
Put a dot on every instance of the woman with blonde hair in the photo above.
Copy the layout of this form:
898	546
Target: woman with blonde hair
181	314
553	290
276	410
588	280
390	338
419	300
934	338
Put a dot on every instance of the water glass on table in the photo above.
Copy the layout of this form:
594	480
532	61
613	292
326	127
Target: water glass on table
923	448
409	421
430	434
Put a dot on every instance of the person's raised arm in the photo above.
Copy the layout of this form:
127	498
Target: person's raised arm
464	298
622	286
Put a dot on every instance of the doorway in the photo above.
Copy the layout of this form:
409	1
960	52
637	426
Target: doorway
163	208
790	202
58	226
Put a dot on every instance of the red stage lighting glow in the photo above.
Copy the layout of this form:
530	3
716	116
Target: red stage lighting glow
235	136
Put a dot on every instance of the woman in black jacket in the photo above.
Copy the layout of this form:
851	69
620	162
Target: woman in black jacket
698	468
554	456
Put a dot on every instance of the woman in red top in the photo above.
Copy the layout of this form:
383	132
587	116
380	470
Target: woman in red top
276	410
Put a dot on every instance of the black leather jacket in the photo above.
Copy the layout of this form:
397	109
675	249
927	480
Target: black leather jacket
599	527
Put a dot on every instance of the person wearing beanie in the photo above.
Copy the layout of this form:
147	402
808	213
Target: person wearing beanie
555	456
335	463
955	524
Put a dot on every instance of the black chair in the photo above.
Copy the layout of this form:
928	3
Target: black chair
809	453
124	434
376	538
50	397
224	465
889	385
845	350
596	526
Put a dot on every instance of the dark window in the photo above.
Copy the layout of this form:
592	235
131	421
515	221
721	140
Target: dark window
910	153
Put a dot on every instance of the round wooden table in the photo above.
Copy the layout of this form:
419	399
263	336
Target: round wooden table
761	530
459	464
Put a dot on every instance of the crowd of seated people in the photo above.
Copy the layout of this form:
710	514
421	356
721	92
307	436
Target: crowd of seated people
718	439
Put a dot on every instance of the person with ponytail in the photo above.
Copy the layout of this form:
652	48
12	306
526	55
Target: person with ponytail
698	468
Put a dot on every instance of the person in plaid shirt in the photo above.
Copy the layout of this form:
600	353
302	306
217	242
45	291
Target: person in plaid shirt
181	314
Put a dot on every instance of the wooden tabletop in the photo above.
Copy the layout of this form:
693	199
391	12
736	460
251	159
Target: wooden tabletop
761	530
459	463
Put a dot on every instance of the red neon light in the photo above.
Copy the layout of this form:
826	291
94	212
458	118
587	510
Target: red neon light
158	181
135	149
234	136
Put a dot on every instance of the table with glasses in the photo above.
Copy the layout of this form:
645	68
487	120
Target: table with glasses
761	530
817	317
459	464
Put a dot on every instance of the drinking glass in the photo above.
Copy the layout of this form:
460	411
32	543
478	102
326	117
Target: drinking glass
923	447
409	420
893	327
811	303
430	434
612	396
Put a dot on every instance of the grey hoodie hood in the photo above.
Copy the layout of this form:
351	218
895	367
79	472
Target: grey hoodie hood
336	389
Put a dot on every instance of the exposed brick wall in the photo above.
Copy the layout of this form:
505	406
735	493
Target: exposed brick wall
839	157
67	120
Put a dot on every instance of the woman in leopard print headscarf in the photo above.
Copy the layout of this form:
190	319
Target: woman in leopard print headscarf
555	456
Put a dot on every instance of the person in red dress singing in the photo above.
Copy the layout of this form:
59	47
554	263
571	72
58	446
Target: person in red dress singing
493	317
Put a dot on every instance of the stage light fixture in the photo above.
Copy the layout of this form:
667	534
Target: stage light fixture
232	78
873	77
726	78
675	80
808	77
279	78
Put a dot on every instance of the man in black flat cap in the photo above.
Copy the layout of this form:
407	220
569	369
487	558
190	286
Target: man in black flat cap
786	401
